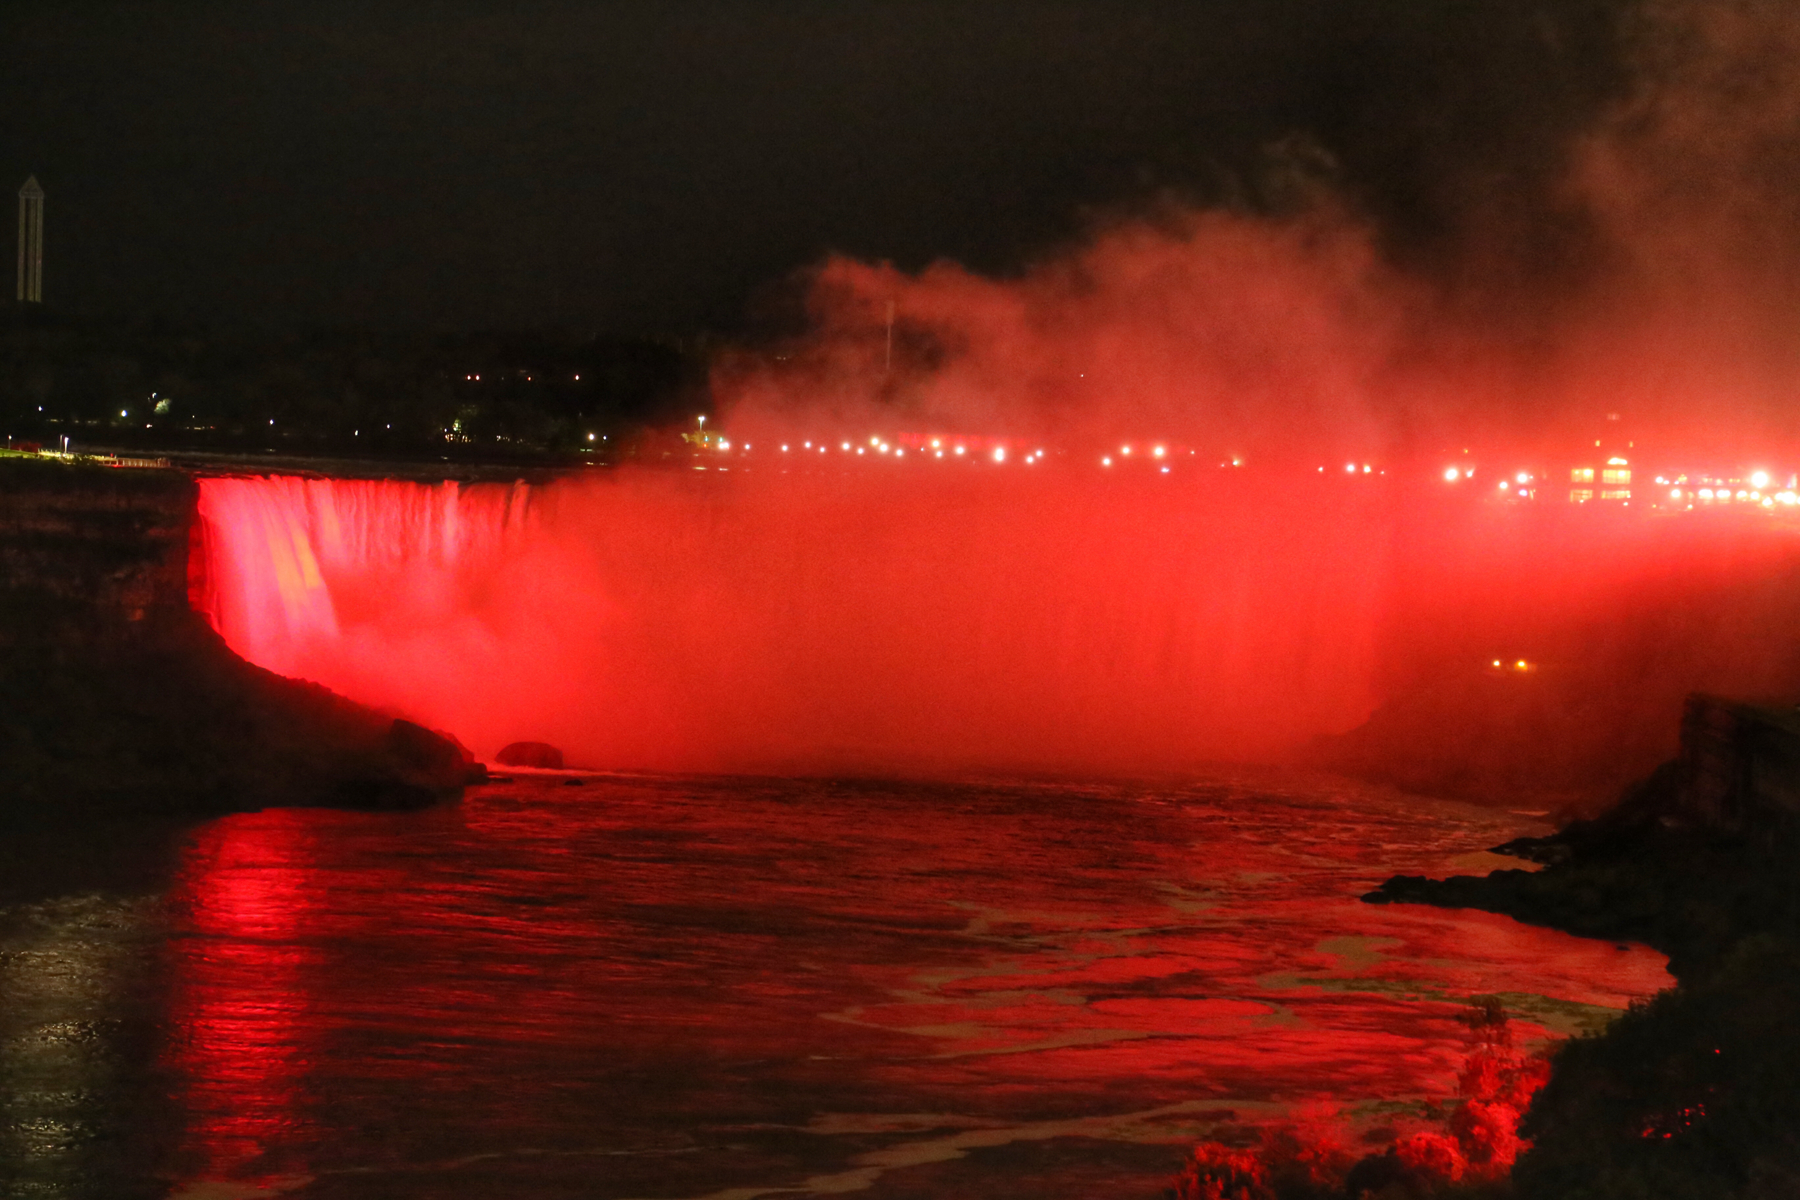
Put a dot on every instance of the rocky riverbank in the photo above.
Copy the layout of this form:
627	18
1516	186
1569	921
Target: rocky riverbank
1692	1094
117	698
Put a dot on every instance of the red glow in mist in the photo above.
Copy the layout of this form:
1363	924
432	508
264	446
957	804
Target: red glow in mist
986	619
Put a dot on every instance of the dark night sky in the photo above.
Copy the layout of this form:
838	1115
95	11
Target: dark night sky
649	167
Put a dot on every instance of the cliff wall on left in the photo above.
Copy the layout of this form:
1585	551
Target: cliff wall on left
116	696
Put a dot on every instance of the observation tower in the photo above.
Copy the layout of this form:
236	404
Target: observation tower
31	242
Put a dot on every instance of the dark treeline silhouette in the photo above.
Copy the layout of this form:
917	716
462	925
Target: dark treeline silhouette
151	383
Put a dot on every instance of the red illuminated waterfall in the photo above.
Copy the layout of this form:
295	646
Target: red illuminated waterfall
703	621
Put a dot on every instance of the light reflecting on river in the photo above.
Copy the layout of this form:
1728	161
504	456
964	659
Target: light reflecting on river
678	987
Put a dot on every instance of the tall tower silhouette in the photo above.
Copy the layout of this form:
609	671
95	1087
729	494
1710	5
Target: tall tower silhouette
31	243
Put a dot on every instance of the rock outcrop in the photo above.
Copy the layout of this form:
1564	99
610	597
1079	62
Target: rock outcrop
116	696
530	754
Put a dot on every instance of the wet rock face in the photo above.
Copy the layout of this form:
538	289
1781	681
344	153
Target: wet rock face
116	697
91	556
531	754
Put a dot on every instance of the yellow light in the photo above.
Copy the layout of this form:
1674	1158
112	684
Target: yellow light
1760	478
999	454
590	437
1451	474
935	443
960	449
1158	452
1523	477
1366	468
1503	485
1125	450
1521	664
875	441
1674	493
1106	461
1496	662
845	446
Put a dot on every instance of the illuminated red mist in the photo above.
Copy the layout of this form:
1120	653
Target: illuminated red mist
926	619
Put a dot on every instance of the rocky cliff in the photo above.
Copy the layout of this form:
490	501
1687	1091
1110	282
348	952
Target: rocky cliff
115	695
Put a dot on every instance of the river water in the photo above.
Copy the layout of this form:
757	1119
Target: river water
617	987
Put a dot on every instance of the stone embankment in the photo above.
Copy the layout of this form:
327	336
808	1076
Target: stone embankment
116	696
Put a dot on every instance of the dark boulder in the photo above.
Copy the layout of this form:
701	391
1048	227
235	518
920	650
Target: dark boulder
430	759
531	754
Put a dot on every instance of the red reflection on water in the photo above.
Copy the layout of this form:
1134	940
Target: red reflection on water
544	976
240	1009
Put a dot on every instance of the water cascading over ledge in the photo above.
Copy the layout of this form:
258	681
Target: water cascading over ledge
815	622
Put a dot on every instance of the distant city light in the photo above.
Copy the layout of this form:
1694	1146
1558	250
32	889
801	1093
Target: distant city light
1503	485
959	449
784	447
590	437
845	446
1351	467
1759	478
1451	474
1106	461
999	454
1158	452
1524	477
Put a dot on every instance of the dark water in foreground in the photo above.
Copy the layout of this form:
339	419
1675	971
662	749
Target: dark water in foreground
679	987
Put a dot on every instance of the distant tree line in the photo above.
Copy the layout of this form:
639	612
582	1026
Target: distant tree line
152	383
